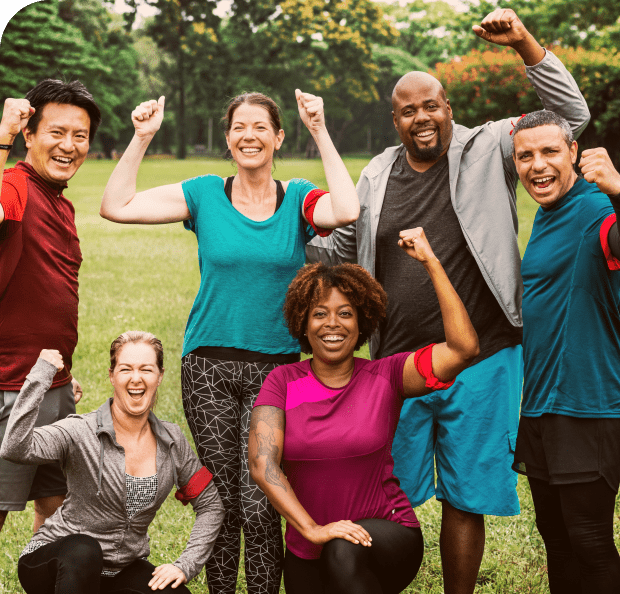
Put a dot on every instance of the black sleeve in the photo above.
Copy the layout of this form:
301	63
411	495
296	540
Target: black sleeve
614	235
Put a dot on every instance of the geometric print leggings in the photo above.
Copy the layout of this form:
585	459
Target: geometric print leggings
217	399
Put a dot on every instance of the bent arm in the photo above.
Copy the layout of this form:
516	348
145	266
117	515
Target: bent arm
209	517
23	444
340	207
122	204
461	345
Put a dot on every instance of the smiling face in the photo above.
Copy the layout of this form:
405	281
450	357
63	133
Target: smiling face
545	163
135	378
60	144
332	328
252	139
422	117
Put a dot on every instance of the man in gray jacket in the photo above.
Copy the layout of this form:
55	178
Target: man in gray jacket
459	184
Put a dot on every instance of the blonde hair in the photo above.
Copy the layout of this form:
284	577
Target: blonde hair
136	336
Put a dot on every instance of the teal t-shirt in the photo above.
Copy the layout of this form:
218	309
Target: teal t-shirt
571	311
245	268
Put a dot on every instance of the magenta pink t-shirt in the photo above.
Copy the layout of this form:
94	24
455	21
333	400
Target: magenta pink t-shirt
338	442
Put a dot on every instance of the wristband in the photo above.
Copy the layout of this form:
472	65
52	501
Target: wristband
6	147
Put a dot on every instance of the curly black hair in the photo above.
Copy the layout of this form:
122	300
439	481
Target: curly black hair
313	282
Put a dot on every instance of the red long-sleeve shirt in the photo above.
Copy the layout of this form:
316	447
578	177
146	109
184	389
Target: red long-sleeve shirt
40	258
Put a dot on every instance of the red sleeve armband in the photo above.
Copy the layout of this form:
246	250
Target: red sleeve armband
612	262
14	195
195	486
309	205
423	361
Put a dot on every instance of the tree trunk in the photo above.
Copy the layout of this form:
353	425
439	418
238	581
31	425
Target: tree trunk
182	140
108	144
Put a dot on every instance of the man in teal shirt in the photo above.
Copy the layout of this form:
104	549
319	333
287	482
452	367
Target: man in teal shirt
568	443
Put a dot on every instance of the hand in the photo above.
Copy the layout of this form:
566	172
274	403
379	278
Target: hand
343	529
598	169
166	574
502	27
15	116
148	116
52	356
311	111
77	390
414	243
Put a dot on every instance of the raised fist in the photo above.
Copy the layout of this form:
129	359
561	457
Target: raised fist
310	110
148	116
52	356
598	169
15	116
502	27
414	243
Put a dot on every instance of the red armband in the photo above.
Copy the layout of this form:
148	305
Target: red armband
612	262
423	361
513	125
14	195
309	205
195	486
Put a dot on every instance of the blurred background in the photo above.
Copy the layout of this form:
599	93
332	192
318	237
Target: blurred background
199	53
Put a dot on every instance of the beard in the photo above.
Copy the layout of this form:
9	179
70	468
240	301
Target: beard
431	153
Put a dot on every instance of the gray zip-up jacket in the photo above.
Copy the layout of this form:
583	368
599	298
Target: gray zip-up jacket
483	181
94	464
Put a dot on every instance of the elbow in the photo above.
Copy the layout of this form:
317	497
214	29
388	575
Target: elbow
471	350
8	454
256	472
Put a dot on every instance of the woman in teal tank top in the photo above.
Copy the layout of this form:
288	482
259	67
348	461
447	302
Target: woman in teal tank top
251	232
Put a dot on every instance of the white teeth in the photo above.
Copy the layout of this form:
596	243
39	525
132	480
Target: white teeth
136	391
251	151
333	338
543	180
425	133
64	160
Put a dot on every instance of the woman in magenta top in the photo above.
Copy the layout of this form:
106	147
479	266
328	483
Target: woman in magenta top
330	421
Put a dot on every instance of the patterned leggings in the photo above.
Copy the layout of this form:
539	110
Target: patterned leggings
217	399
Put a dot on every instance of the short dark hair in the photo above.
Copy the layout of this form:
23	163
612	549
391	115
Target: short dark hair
57	91
544	117
313	282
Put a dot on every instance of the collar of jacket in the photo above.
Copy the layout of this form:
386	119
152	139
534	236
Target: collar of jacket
106	426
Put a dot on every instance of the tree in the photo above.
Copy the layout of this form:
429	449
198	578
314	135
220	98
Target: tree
116	87
38	44
187	30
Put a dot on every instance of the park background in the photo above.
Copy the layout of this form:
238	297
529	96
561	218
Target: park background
199	53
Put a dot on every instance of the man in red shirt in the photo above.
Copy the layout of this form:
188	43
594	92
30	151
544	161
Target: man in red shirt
39	262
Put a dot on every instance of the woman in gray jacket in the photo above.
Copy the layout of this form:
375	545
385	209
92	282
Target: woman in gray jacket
121	462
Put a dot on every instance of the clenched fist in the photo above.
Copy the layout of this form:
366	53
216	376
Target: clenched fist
52	356
414	243
310	110
15	116
148	116
502	27
598	169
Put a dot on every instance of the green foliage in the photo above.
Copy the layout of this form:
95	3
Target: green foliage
491	85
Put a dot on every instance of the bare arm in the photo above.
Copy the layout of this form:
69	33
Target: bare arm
461	346
340	207
15	118
264	457
121	202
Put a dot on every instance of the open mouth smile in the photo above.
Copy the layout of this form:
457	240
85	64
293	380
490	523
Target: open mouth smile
543	183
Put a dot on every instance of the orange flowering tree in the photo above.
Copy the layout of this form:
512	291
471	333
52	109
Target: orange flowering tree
491	85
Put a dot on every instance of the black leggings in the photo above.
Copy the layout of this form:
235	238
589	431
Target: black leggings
386	567
576	524
73	564
217	399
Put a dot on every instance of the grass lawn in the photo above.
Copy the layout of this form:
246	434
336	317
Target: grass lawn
146	278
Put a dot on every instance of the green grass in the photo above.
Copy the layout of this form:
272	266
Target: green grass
136	277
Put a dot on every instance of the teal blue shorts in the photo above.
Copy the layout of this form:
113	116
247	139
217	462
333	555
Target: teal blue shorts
470	431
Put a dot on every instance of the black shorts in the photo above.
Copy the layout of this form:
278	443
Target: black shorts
562	450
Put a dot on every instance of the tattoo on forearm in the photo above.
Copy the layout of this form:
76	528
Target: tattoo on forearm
273	418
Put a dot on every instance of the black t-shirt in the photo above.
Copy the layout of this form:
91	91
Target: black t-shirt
414	199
